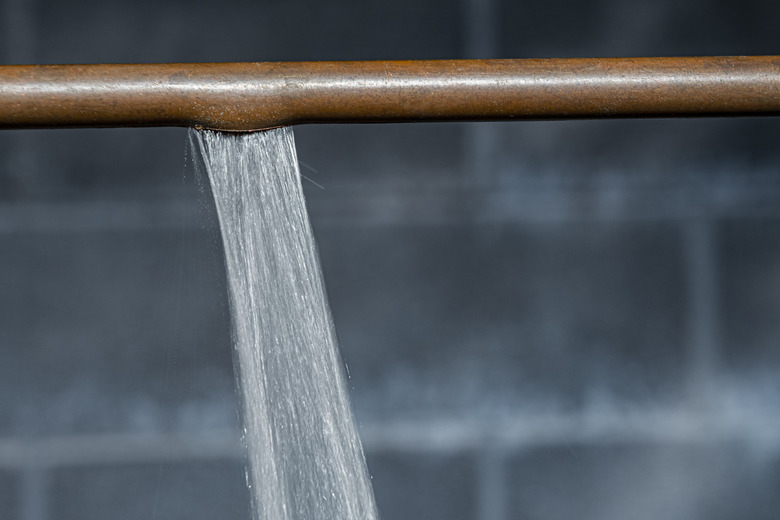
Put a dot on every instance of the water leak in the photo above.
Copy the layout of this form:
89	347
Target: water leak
305	460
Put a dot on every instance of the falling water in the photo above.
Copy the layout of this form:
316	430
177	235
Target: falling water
304	455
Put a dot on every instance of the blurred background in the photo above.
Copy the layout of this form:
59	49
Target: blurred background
548	320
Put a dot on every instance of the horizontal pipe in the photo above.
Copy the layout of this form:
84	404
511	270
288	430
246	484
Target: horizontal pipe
253	96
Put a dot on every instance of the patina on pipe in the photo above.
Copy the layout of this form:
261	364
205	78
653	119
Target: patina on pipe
253	96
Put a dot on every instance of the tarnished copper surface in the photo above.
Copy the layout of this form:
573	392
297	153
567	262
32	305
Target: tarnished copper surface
251	96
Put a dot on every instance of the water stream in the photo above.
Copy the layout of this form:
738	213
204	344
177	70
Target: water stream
305	460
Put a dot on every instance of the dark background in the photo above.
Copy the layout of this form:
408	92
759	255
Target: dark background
560	320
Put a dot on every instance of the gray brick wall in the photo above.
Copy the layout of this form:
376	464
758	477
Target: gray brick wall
642	482
183	490
424	485
541	320
9	494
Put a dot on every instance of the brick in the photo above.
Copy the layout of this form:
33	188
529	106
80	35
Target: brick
9	495
749	258
382	155
108	164
446	319
643	156
607	482
538	29
194	490
113	330
423	485
166	31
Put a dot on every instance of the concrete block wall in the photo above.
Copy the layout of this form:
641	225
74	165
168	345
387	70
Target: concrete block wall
541	320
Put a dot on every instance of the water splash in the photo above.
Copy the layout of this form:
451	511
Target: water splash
305	457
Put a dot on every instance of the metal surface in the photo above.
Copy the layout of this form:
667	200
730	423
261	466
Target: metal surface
252	96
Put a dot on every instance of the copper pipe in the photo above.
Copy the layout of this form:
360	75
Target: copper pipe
252	96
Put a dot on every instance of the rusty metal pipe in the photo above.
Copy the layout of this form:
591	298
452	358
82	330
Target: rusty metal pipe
253	96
